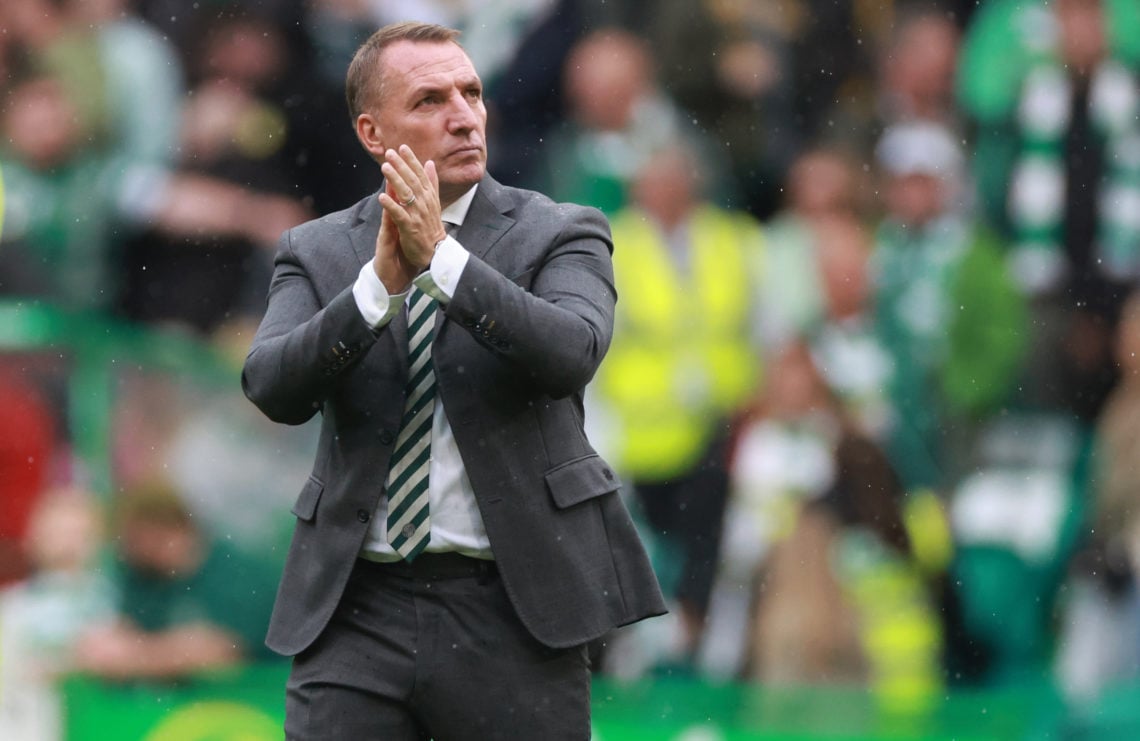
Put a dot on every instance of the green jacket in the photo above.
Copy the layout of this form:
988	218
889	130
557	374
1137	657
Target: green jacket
955	325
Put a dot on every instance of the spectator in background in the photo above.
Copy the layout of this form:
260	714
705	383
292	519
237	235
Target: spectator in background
822	183
57	224
65	592
182	23
818	286
526	98
1100	633
242	155
678	371
816	523
843	338
43	615
74	193
730	65
1058	172
781	457
119	82
187	603
909	54
617	119
833	64
259	68
945	308
918	68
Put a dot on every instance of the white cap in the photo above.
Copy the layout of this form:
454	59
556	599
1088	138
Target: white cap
920	148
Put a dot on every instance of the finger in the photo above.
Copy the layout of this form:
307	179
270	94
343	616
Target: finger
389	232
397	186
413	163
407	175
392	217
432	176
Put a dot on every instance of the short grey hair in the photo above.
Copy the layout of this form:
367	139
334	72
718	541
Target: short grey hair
363	83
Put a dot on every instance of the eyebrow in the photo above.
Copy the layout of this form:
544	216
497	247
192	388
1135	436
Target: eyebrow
428	87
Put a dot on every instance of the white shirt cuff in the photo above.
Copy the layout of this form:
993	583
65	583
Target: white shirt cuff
376	306
446	268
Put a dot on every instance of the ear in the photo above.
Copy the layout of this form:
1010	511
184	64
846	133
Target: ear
368	132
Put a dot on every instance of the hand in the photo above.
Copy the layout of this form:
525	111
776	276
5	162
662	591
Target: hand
109	651
198	204
411	200
390	264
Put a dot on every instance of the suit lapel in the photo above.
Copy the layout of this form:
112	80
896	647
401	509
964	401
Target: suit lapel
485	223
363	233
483	227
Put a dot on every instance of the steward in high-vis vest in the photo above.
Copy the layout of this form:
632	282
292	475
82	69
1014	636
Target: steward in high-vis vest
683	356
683	361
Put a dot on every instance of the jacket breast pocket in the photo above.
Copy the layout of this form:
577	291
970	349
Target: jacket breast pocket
305	507
580	479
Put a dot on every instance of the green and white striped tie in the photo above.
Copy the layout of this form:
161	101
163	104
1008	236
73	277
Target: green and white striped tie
408	520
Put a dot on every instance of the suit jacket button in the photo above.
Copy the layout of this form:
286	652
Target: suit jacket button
608	474
386	437
362	515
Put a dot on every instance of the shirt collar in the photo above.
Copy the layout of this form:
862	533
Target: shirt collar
457	211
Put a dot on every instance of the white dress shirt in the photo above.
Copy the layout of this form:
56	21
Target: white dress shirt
456	524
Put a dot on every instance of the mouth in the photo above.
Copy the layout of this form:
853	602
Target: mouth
467	151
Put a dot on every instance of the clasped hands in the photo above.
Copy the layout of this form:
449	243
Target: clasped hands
411	224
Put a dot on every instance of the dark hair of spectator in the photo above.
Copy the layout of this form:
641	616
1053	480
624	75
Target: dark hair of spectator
363	84
153	503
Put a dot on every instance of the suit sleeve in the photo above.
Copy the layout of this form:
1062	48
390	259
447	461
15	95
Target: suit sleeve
301	346
556	333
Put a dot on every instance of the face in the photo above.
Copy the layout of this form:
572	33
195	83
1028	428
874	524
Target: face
1083	34
159	548
605	77
842	248
432	100
64	533
925	62
247	54
821	183
42	124
794	386
665	187
915	199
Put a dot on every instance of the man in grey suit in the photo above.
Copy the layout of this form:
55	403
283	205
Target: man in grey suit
459	542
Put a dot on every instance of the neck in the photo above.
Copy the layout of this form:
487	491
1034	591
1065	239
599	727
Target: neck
449	194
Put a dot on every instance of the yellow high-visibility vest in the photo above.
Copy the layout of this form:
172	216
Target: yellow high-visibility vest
682	356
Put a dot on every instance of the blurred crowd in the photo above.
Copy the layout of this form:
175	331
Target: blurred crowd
873	386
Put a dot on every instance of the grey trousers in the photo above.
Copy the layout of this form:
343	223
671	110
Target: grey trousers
434	650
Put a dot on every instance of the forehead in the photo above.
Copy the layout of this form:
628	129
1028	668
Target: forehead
408	65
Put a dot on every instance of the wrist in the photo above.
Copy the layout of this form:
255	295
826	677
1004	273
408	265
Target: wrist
395	277
435	247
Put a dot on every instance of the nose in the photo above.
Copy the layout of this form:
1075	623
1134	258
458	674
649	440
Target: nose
462	117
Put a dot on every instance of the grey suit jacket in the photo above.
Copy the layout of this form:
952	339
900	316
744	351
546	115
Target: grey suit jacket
529	323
